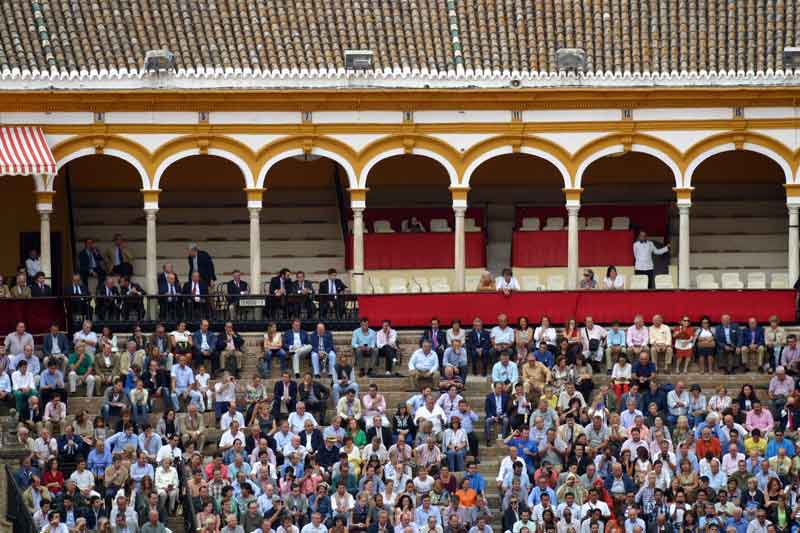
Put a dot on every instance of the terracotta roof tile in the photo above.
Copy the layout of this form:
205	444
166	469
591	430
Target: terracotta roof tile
276	38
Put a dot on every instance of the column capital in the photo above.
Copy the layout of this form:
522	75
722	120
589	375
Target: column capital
44	201
792	193
358	210
573	210
254	196
683	195
358	197
151	198
254	211
150	213
460	194
573	196
459	210
683	208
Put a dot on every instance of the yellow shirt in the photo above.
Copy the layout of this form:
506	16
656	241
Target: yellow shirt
750	444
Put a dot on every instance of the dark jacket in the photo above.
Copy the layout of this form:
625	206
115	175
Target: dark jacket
327	342
478	339
197	340
187	287
205	265
490	405
386	435
327	458
235	292
69	290
275	284
324	286
441	338
289	335
719	335
162	282
41	292
277	390
84	260
316	439
626	480
320	391
222	341
62	342
746	337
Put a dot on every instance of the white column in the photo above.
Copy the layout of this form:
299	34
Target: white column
684	250
255	250
460	251
794	246
151	286
44	240
358	249
572	245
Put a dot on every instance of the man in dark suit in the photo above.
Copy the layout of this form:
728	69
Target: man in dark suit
479	343
437	337
78	296
197	301
204	348
235	289
132	295
330	292
322	349
728	351
56	346
497	407
170	304
284	396
279	288
315	435
315	396
40	289
377	430
91	263
166	270
108	302
302	294
296	345
200	261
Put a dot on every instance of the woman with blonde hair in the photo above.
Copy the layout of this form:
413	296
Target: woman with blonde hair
486	283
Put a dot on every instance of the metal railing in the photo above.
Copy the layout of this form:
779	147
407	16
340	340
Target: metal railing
16	511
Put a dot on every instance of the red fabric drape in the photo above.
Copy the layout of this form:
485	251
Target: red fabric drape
651	218
387	251
549	248
37	313
416	310
395	216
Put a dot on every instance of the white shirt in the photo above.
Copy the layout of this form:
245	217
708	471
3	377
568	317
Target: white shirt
224	392
168	451
80	336
616	283
297	422
227	438
643	254
502	336
226	419
544	334
165	478
311	528
33	266
501	284
20	381
83	480
507	466
434	416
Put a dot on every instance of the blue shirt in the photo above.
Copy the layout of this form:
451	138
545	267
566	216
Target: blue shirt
535	497
183	377
422	515
370	338
502	373
546	358
138	472
476	482
740	525
99	461
616	338
467	420
52	380
118	441
772	448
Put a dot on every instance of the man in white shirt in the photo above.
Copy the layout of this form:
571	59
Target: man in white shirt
424	363
233	433
593	338
506	283
502	337
660	342
316	525
297	419
23	385
387	346
87	337
643	251
432	413
230	415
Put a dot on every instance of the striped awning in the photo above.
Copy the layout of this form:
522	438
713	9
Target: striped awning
24	150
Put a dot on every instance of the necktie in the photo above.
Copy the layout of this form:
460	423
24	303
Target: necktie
332	287
77	290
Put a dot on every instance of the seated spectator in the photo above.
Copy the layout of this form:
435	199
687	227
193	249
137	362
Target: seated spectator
16	341
433	413
364	344
705	345
424	365
506	282
374	405
51	382
284	396
349	406
479	346
497	410
323	351
727	338
345	378
505	372
660	336
587	281
386	342
314	395
455	356
486	282
297	345
229	346
751	346
20	290
535	375
204	347
613	280
273	347
114	400
774	341
593	340
23	385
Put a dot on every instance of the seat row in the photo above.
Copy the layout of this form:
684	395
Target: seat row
584	224
732	280
437	225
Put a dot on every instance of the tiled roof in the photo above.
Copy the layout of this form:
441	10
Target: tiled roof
461	41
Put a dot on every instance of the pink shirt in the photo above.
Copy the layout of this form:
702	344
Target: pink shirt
638	336
762	422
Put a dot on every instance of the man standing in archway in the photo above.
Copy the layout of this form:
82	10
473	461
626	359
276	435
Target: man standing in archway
200	261
643	251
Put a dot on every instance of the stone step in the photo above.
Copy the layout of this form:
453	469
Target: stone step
309	247
193	215
771	242
754	260
237	229
752	225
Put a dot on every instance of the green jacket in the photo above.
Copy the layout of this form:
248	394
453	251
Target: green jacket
85	365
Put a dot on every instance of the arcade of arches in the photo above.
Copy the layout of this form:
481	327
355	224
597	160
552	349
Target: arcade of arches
176	185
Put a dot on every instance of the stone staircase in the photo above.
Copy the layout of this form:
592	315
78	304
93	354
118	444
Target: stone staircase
397	390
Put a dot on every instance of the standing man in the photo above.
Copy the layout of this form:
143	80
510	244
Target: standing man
236	288
331	288
91	263
643	251
200	261
119	257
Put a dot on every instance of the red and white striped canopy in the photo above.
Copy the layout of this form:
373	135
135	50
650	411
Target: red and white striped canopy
24	150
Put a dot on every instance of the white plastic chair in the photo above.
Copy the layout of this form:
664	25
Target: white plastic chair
398	285
555	283
382	226
779	280
595	224
531	283
581	223
620	223
639	282
471	283
706	280
531	224
731	280
470	226
439	225
664	281
440	284
756	280
554	224
420	284
376	285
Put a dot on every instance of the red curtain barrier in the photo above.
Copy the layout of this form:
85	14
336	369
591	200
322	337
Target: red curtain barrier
651	218
416	310
387	251
549	248
37	313
396	215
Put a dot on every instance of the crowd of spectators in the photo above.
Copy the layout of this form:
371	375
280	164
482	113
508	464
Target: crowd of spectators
639	453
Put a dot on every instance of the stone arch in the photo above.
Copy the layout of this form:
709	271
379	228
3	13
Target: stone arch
731	141
282	149
435	149
504	145
622	143
129	151
218	146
